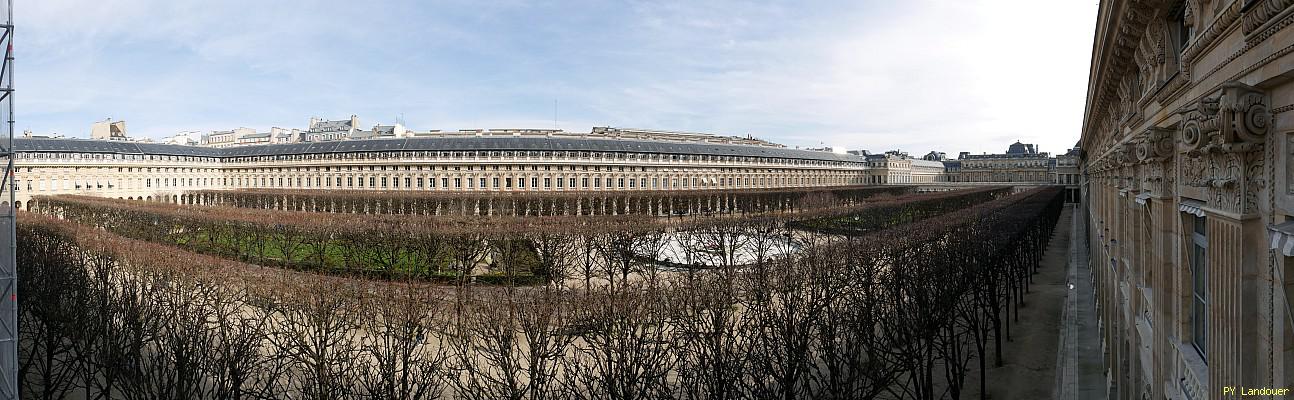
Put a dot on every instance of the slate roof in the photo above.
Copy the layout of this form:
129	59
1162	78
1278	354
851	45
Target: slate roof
47	145
468	143
331	126
916	162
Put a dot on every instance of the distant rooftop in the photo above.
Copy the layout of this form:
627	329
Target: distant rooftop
454	143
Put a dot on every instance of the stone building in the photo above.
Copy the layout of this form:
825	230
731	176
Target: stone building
1186	146
229	138
249	137
533	160
321	130
282	135
383	132
1065	172
454	163
895	167
108	130
187	138
1022	163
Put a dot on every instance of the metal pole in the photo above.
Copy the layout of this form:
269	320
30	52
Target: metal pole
8	219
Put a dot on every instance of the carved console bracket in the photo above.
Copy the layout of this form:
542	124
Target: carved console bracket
1155	145
1221	138
1235	120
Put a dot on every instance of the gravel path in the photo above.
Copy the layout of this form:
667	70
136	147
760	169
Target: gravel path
1029	360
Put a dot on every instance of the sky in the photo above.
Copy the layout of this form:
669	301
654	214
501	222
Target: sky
913	75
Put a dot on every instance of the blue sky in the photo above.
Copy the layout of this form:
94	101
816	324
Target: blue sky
915	75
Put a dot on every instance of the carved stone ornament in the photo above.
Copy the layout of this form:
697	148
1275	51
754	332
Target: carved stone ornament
1258	12
1235	120
1222	137
1246	113
1155	145
1199	122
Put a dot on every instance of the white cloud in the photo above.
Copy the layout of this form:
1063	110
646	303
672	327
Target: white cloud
917	75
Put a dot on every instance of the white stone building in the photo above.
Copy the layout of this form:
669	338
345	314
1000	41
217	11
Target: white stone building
186	138
456	163
321	130
229	138
108	130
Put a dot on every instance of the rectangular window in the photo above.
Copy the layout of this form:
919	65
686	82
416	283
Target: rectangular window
1200	285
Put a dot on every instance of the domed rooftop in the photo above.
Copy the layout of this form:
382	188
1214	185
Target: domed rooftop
1021	148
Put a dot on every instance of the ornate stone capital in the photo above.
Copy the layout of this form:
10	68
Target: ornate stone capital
1222	136
1199	122
1155	145
1236	119
1246	114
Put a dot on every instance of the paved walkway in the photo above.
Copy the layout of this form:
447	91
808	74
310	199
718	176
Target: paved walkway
1080	359
1029	368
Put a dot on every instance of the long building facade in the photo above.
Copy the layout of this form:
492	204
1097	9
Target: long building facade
1189	186
1021	163
607	159
153	171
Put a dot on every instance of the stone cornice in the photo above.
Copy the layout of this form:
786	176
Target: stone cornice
1114	63
1205	38
1258	13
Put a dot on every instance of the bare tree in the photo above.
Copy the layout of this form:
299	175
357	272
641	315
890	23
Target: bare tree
403	345
315	329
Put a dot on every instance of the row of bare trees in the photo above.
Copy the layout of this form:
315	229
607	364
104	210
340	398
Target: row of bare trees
440	248
905	312
575	203
898	213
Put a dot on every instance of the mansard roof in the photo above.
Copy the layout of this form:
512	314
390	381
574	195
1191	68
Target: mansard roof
331	126
916	162
1021	148
50	145
467	143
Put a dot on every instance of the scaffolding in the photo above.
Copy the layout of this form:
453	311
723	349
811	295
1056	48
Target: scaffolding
8	218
